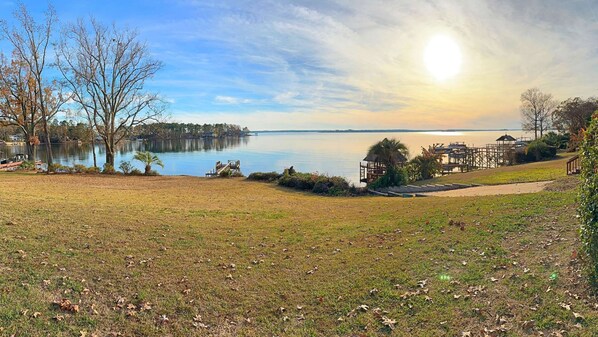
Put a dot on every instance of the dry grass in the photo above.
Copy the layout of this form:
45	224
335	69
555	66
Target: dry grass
235	252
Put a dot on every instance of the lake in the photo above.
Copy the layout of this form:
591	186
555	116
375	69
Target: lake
332	153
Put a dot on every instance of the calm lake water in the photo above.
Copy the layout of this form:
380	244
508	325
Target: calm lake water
329	153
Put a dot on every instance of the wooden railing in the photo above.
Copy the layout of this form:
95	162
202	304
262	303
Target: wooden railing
574	165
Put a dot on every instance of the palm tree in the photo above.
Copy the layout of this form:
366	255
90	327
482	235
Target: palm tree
148	159
389	152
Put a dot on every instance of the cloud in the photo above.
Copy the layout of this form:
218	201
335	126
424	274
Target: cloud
360	63
231	100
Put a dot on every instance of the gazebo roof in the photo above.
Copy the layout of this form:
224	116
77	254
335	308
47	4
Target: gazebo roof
399	157
506	138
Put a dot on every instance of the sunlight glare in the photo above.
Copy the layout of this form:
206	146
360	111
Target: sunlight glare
442	57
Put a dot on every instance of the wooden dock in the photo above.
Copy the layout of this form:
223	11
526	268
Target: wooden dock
233	166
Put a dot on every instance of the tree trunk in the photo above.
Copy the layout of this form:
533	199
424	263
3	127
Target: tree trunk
93	146
30	151
109	141
109	157
148	169
49	157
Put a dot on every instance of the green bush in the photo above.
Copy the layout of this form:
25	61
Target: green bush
125	167
538	150
397	176
559	141
92	170
264	176
108	169
425	166
152	173
317	183
59	168
312	182
26	166
136	172
78	168
588	199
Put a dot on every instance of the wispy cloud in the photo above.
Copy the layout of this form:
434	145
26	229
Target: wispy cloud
354	63
231	100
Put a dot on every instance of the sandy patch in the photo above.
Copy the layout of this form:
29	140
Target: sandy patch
493	190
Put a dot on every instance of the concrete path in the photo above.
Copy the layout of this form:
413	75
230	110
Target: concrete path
493	190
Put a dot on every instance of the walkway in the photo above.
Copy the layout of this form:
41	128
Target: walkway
492	190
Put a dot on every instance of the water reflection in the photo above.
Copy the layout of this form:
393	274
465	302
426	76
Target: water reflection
329	153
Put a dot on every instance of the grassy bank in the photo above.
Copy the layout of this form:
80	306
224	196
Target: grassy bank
182	256
539	171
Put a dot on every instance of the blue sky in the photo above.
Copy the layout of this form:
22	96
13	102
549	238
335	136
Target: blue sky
354	64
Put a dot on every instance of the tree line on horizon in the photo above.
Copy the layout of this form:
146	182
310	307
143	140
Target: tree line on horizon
71	130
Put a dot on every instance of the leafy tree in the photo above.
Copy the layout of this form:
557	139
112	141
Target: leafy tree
426	165
390	153
18	106
30	41
588	199
148	159
573	115
536	109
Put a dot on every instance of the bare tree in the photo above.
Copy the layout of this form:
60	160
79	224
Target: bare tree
536	110
30	41
106	69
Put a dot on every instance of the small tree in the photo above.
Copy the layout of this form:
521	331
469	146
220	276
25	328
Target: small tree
426	165
536	110
390	152
588	198
148	159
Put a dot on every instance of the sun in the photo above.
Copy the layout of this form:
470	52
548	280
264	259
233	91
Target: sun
442	57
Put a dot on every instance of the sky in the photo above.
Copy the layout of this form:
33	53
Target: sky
340	64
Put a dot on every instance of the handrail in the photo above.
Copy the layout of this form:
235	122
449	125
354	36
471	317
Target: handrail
574	165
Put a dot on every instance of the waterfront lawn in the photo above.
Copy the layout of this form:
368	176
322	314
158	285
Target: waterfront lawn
539	171
182	256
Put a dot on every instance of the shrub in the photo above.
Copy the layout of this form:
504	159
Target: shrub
424	166
26	166
237	174
264	176
78	168
559	141
397	176
224	174
152	173
108	169
316	183
125	167
58	168
588	200
92	170
136	172
289	171
538	150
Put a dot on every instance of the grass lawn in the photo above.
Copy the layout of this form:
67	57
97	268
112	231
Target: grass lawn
539	171
183	256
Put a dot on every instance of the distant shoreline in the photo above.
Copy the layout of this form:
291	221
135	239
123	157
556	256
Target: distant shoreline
381	130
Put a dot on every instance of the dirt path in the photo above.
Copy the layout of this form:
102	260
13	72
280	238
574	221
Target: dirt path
493	190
